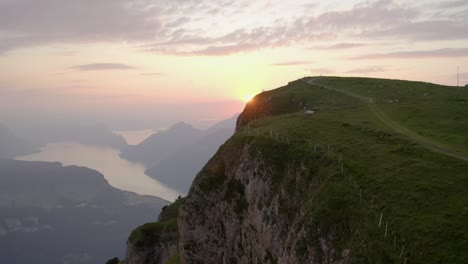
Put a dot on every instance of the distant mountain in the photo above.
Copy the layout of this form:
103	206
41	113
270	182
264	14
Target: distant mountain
11	146
162	144
229	123
179	169
96	134
55	214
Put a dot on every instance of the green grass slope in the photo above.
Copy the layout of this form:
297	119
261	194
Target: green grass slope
399	150
148	235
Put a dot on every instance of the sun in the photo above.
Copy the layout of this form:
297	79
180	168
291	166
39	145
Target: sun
248	97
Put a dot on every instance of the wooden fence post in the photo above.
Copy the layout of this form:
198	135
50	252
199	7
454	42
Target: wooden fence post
386	227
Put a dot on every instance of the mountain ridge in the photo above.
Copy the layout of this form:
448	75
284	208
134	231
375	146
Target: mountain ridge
335	186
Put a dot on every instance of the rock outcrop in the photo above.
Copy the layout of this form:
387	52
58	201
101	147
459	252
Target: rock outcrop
242	209
338	187
158	253
155	242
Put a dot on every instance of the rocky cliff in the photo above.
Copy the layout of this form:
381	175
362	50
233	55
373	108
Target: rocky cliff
352	183
156	242
157	250
243	208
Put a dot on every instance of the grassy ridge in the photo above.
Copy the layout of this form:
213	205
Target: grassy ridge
165	230
149	234
421	193
435	112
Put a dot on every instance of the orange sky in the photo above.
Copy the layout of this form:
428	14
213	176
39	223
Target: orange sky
133	59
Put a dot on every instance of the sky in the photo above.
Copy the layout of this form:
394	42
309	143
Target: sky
146	64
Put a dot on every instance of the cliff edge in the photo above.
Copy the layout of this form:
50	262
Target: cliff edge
335	170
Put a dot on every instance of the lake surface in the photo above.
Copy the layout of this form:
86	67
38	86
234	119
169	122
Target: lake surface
120	173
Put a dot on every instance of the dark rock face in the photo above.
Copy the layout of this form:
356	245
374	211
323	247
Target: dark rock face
234	214
159	253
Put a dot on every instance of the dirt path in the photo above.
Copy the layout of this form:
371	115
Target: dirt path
415	137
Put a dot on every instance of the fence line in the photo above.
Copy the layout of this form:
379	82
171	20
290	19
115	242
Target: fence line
398	245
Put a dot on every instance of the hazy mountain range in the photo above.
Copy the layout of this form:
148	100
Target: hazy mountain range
176	155
12	146
55	214
162	144
91	134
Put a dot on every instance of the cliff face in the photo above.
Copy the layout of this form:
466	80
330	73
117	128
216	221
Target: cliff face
348	184
244	209
158	253
155	242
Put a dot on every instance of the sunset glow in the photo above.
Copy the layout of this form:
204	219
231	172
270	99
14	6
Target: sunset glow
248	97
144	57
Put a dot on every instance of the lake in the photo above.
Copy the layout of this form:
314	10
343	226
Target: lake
120	173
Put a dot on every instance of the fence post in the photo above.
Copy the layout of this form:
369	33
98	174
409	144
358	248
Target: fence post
386	226
380	221
401	253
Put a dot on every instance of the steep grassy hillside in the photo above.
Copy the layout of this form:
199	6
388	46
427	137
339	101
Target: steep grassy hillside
155	242
377	175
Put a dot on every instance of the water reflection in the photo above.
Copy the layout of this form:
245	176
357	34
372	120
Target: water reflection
120	173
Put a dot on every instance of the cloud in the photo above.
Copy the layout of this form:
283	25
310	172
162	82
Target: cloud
150	74
291	63
102	66
453	4
424	30
341	46
365	19
371	69
29	23
65	53
417	54
217	28
218	50
78	81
